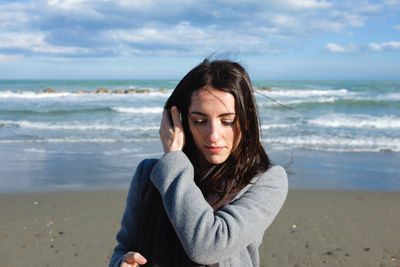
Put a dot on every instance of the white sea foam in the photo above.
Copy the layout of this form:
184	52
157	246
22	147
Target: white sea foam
121	151
335	143
34	150
142	110
274	126
74	126
37	95
298	101
389	97
73	140
356	121
31	94
306	93
314	142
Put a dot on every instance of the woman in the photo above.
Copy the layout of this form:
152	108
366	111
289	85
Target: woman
212	195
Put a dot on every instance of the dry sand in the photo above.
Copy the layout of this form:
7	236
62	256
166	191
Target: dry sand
314	228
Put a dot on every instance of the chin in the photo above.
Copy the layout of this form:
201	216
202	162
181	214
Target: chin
216	159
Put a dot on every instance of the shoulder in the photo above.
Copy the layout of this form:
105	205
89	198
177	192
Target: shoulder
275	172
273	180
146	165
274	177
142	173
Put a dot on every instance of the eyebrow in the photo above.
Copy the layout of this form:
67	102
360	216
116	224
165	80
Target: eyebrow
220	115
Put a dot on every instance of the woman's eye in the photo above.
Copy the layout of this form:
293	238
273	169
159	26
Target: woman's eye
199	121
230	123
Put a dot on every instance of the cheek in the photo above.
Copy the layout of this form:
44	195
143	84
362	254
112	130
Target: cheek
195	133
236	136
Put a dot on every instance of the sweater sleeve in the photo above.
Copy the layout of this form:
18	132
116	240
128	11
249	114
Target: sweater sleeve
127	234
209	237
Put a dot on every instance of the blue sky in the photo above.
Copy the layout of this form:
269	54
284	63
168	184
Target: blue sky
292	39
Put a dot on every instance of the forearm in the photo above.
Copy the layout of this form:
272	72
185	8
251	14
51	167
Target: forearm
209	237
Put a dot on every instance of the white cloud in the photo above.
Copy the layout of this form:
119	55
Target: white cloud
285	21
392	2
335	48
147	4
68	50
184	38
351	48
326	25
21	40
366	7
8	59
105	27
397	27
66	4
307	4
392	45
35	42
79	10
14	16
315	17
354	20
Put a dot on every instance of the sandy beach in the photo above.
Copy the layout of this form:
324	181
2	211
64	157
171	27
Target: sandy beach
314	228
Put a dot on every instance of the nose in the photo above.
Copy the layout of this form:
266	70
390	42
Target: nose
213	132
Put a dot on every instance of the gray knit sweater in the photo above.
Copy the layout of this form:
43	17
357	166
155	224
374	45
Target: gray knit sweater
230	236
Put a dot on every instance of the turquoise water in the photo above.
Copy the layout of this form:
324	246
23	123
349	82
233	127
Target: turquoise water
313	116
318	115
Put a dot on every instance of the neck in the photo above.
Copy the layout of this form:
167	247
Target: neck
202	164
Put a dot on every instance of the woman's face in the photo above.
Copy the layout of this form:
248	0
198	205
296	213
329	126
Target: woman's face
213	124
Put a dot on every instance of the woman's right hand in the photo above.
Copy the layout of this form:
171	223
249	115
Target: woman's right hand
133	259
172	134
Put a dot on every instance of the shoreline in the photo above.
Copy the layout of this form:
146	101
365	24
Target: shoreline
314	228
58	167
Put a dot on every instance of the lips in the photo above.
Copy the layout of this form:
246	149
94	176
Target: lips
214	149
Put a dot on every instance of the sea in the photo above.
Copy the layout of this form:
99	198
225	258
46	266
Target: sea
328	134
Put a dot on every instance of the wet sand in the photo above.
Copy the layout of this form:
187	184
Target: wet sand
314	228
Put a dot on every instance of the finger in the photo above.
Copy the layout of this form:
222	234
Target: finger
164	118
134	257
176	117
139	258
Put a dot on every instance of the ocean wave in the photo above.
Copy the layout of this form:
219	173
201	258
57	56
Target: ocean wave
39	151
121	151
35	150
77	126
56	111
335	143
356	121
32	94
389	97
73	140
274	126
360	102
304	93
330	102
267	103
311	142
36	95
142	110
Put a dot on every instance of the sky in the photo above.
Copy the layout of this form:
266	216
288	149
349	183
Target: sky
150	39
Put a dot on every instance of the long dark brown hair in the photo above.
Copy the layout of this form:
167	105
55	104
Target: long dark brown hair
249	157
